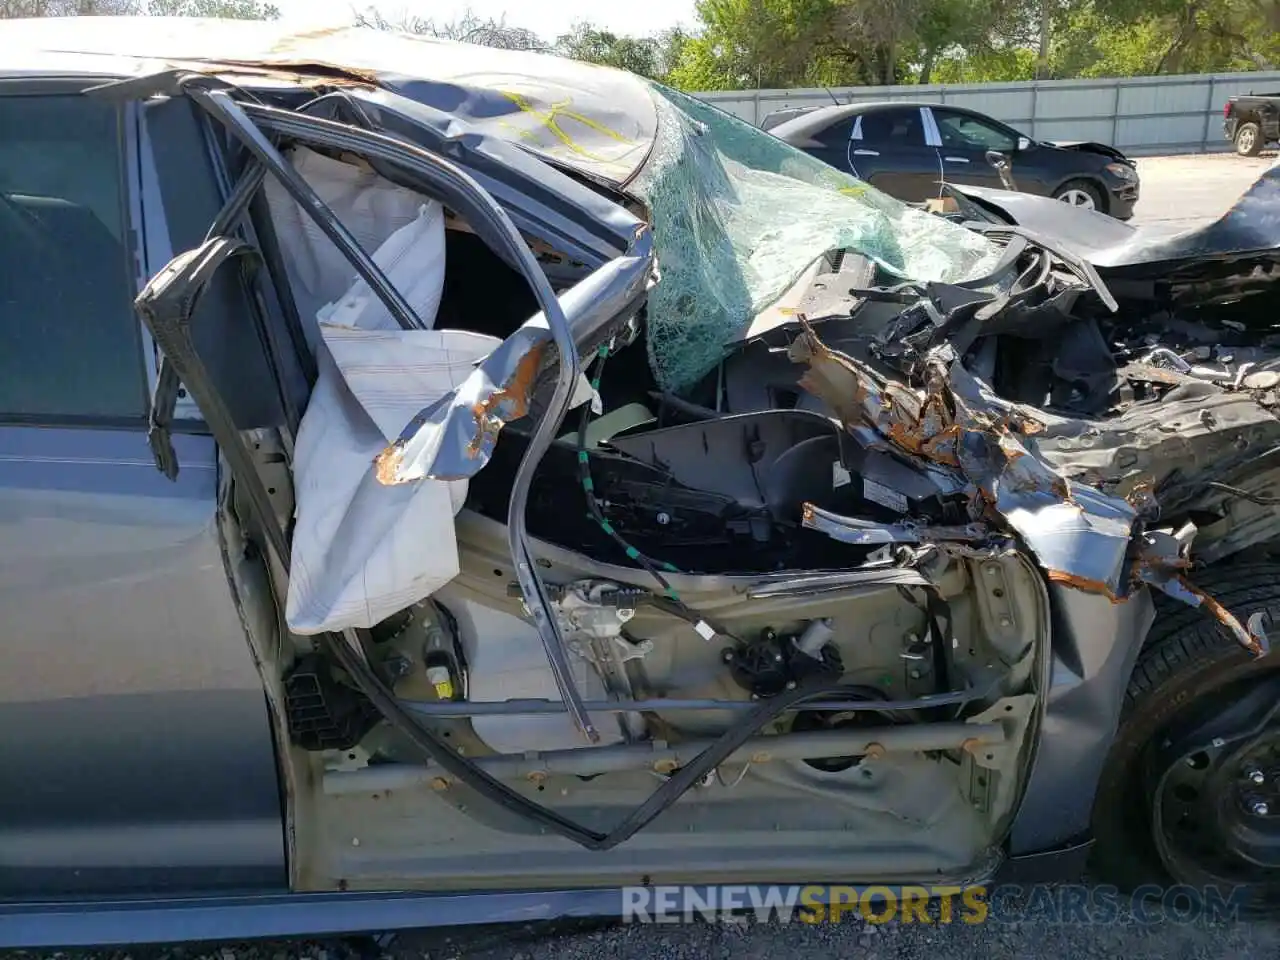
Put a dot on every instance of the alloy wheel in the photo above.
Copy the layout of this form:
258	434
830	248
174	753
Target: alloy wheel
1077	198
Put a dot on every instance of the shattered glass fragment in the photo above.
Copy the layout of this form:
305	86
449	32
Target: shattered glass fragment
738	215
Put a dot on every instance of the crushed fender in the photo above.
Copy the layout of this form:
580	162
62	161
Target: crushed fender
1082	537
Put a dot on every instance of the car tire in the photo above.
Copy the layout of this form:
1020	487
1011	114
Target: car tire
1189	664
1248	139
1081	193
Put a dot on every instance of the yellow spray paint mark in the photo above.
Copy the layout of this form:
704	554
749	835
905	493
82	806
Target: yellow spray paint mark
560	111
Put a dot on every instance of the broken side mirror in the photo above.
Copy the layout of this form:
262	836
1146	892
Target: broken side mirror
1001	163
1024	143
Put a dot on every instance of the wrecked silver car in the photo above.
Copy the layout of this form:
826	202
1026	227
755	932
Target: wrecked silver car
605	493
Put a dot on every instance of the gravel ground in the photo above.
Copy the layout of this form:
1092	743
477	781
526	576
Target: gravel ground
1178	193
702	941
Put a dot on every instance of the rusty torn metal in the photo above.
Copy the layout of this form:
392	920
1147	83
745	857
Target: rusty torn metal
1082	538
867	532
954	422
453	438
1162	562
456	435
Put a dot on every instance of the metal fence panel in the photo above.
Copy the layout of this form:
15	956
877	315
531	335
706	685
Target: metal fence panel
1141	115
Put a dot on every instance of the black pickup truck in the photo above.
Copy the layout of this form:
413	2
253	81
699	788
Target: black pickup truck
1252	121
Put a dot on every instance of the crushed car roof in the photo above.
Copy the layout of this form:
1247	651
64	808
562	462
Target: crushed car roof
597	120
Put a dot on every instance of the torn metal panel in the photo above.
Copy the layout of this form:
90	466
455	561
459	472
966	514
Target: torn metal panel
454	437
1085	536
1079	535
860	396
867	532
1162	562
1253	637
943	425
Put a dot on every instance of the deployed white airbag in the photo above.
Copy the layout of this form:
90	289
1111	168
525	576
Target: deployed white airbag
362	550
369	206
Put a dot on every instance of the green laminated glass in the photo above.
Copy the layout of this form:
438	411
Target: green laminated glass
738	215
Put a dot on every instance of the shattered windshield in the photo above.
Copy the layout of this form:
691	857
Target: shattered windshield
738	215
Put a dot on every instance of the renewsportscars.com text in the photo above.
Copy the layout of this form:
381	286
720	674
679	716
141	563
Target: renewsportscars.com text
834	903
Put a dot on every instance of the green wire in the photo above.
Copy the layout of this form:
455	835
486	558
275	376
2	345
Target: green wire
593	505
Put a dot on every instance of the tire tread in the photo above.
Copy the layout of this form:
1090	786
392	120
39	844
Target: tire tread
1185	649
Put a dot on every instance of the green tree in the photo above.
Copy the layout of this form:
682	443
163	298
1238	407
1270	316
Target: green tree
837	42
587	42
1003	65
12	9
994	33
231	9
671	44
1200	35
759	43
227	9
468	28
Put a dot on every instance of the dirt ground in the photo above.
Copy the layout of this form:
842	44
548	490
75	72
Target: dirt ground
1180	192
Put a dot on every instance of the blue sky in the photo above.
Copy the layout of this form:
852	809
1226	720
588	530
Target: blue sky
549	18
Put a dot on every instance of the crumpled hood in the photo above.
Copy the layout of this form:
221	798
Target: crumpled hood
1090	146
1250	226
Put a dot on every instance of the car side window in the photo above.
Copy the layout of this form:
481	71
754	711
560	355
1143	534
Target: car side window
836	135
960	131
72	345
900	126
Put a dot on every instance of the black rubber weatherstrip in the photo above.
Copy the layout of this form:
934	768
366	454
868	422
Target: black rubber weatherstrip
439	751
